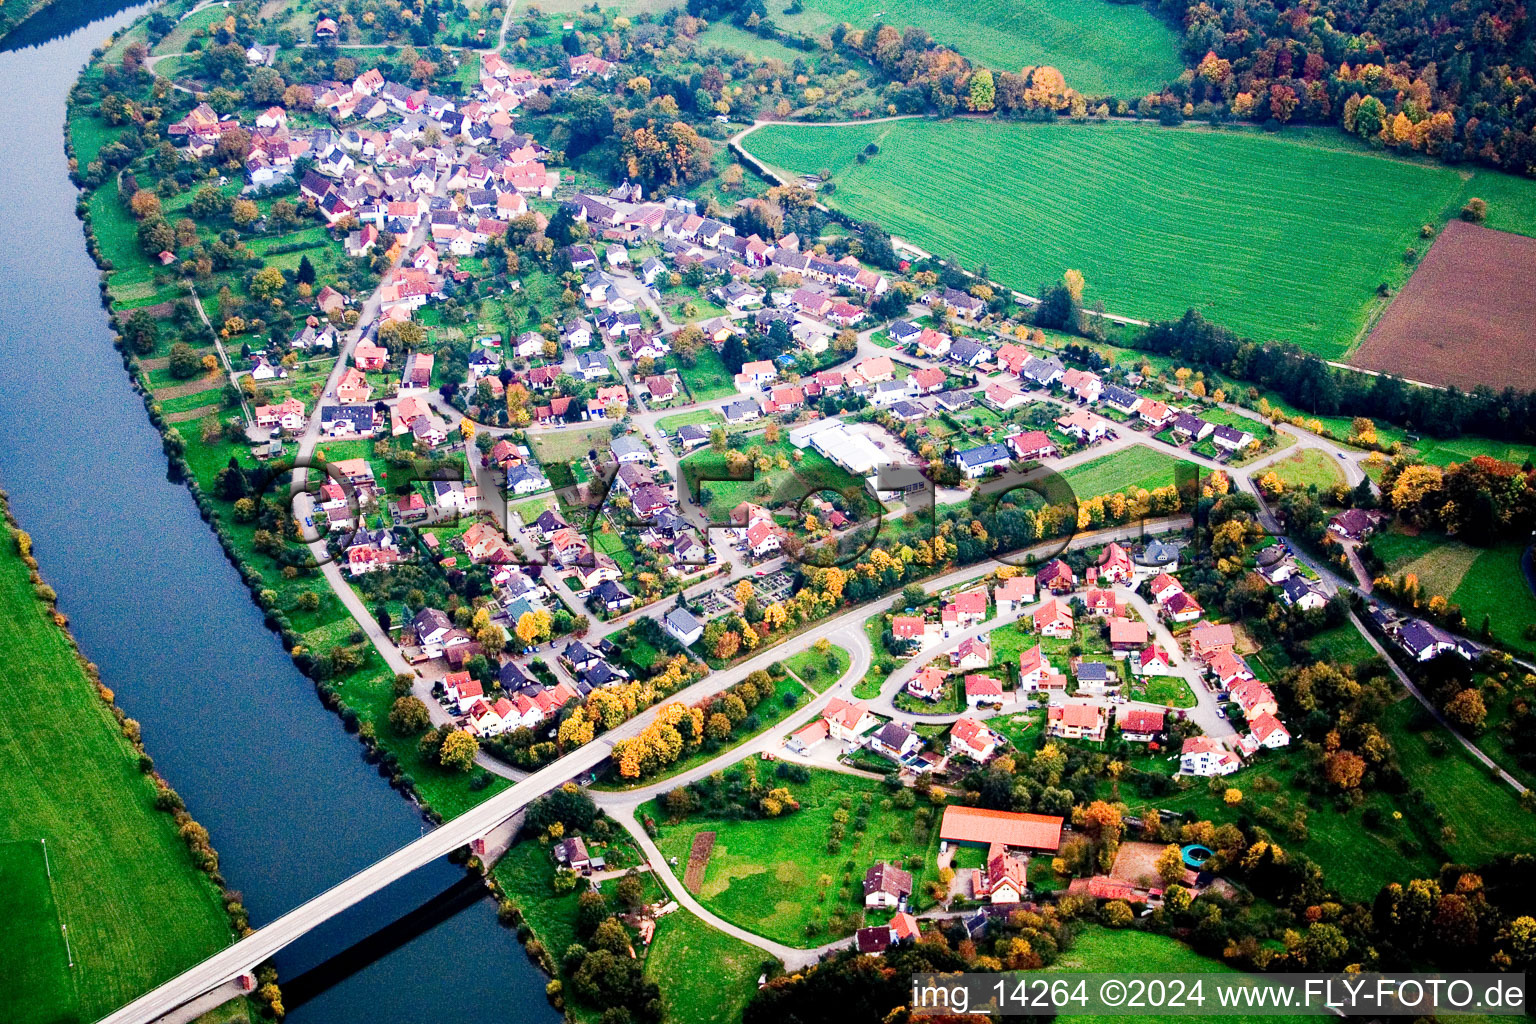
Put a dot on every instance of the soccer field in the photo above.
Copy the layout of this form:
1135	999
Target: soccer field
1101	48
1276	238
34	972
137	910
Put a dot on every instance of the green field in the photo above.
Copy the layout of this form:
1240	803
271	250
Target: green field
1102	950
136	909
1102	48
1464	449
708	378
568	444
1120	471
1484	812
726	36
1308	467
813	670
705	417
1483	581
682	946
37	975
1147	214
767	874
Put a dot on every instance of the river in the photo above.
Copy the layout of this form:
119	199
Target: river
231	723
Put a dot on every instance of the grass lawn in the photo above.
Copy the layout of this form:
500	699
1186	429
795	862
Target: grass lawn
528	511
1171	691
738	40
716	995
137	910
1121	471
1485	814
817	671
768	874
1343	644
706	417
1145	213
708	378
568	445
1097	949
1021	729
1355	860
1101	48
1307	467
1495	587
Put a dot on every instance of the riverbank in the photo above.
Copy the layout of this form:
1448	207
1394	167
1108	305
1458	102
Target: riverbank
275	779
113	884
325	642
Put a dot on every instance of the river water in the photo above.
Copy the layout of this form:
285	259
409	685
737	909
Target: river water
231	724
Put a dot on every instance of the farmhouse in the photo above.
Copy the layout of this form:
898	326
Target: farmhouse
1002	880
886	885
1354	524
977	826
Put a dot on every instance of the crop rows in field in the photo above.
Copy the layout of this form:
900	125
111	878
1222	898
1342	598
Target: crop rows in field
1274	238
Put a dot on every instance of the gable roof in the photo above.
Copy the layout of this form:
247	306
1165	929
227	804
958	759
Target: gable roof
1009	828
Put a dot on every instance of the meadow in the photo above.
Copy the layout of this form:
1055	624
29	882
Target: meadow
1308	467
1102	950
718	995
123	883
1121	471
1101	48
770	875
1147	214
1485	582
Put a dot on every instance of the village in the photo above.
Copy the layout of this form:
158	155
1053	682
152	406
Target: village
648	487
925	405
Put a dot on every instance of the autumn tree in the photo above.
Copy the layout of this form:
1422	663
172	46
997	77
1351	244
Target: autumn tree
458	751
408	716
1344	768
1467	709
1073	281
145	204
1170	865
